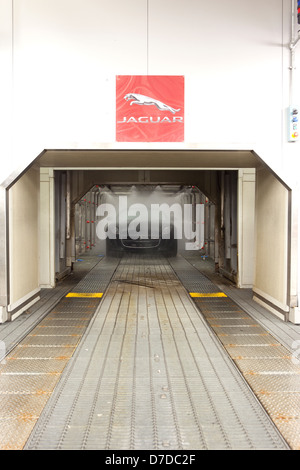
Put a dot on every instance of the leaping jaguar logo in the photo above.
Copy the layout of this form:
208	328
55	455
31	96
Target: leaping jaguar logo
145	100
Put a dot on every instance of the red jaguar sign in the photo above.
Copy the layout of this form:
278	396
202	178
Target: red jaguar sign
150	108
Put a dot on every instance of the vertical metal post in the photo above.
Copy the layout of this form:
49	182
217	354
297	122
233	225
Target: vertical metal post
68	206
93	198
227	217
3	255
62	250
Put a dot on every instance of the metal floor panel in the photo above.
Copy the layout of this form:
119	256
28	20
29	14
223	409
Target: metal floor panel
284	332
32	369
149	374
11	333
266	364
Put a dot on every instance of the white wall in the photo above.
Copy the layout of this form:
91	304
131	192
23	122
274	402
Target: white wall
6	88
271	241
66	54
246	223
47	229
24	239
59	60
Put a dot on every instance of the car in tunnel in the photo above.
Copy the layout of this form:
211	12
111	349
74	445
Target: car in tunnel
163	242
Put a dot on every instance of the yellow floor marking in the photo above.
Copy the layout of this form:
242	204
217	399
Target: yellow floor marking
207	294
86	294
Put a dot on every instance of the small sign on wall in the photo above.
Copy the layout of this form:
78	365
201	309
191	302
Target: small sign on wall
149	108
293	124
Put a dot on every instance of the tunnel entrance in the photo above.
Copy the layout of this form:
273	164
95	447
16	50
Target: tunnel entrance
51	207
180	213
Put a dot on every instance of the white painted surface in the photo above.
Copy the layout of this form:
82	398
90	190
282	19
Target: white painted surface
59	60
24	238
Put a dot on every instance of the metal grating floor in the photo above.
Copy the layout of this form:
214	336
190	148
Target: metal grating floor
268	366
11	333
32	369
149	374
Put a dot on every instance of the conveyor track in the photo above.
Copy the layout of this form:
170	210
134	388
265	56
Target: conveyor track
150	374
32	369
